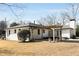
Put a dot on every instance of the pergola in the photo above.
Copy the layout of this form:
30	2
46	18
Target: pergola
54	28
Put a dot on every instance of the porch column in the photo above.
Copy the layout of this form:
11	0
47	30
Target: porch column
49	35
54	35
60	34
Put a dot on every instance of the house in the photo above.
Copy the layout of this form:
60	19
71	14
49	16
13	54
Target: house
37	31
69	30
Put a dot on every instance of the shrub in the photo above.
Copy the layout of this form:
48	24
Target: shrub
77	31
22	35
73	37
14	24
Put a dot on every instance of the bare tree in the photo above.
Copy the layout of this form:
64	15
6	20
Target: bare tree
70	13
42	21
49	20
65	17
75	8
14	24
13	10
3	25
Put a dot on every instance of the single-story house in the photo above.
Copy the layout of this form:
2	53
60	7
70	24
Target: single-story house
37	31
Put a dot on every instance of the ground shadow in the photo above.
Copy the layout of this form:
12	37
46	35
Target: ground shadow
70	41
41	40
35	41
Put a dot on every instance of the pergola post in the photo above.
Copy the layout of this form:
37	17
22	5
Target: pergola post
49	39
53	35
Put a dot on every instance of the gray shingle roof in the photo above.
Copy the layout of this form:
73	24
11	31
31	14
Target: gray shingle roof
27	25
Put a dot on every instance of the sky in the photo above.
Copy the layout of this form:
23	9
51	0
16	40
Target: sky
30	11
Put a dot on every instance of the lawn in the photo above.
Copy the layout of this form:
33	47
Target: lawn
40	48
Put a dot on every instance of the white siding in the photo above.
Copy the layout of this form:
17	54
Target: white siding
66	33
12	35
46	33
35	34
73	25
71	32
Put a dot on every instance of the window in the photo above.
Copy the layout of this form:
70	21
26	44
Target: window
9	32
14	31
38	31
19	29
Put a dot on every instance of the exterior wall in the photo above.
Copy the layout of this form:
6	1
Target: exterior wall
73	25
66	33
12	35
57	33
46	33
35	35
71	32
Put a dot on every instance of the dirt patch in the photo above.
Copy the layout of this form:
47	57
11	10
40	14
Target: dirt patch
4	51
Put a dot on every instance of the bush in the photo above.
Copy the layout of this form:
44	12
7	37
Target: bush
14	24
73	37
77	31
22	35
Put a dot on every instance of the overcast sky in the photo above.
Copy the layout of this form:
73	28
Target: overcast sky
30	11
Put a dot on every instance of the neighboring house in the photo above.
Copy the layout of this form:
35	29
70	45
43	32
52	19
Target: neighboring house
69	30
36	31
